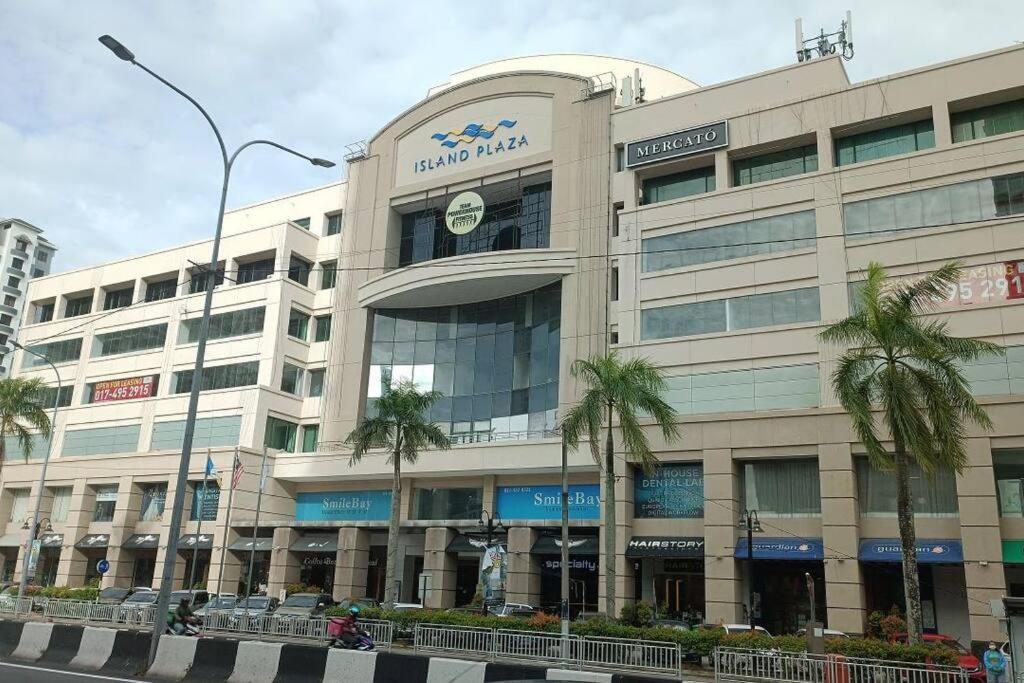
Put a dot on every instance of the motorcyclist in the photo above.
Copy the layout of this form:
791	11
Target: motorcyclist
181	616
350	626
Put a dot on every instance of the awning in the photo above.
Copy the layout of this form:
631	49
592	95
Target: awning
552	545
10	540
319	543
782	549
929	550
142	542
470	544
195	541
260	544
690	547
51	540
93	541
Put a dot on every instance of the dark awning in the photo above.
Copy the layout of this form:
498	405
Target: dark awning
51	540
93	541
690	547
259	544
142	542
318	543
10	540
471	544
783	549
195	541
552	545
929	550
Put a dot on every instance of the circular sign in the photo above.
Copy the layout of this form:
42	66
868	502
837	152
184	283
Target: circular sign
464	213
102	566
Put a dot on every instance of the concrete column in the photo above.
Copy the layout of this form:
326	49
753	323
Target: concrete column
283	567
623	530
826	158
844	583
722	576
723	179
352	563
126	515
161	551
233	564
979	529
523	583
72	566
441	566
943	129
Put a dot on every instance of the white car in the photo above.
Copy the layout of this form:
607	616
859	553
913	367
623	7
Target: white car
406	606
745	628
510	608
825	633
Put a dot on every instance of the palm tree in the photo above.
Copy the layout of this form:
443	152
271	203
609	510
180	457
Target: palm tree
21	412
909	368
623	389
400	426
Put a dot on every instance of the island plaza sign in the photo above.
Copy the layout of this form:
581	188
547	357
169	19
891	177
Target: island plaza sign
680	144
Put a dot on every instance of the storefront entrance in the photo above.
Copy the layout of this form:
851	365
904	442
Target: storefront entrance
144	569
201	558
669	575
317	570
467	577
260	571
781	601
376	571
8	563
46	569
583	572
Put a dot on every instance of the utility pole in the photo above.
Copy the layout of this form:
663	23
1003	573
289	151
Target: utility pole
565	548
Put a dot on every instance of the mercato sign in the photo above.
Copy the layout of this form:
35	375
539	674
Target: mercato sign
680	144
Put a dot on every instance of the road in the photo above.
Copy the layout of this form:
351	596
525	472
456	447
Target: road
24	673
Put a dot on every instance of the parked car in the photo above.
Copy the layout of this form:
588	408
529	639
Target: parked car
135	603
672	623
115	595
827	633
745	628
966	659
361	603
513	609
405	606
220	603
197	599
256	604
305	605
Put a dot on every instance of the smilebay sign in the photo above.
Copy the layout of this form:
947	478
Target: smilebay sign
683	143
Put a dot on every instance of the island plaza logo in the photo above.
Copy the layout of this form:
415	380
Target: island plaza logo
490	141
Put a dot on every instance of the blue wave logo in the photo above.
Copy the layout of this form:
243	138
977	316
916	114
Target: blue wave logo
471	132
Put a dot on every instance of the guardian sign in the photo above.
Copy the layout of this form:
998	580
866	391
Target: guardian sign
681	144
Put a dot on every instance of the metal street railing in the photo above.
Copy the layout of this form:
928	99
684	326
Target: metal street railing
742	665
645	655
96	612
15	606
466	639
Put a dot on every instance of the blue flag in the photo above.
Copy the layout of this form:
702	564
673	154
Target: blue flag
209	466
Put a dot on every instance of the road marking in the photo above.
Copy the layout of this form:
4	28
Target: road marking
69	673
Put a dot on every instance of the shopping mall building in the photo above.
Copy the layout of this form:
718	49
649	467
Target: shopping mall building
523	215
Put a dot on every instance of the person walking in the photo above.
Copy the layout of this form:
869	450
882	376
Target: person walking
995	664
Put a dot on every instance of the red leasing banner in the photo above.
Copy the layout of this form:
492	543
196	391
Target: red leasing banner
123	389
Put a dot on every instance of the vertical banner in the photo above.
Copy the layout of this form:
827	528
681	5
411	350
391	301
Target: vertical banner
33	557
493	570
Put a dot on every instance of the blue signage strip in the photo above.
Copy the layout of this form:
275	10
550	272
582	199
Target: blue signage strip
545	502
343	506
673	491
929	550
783	549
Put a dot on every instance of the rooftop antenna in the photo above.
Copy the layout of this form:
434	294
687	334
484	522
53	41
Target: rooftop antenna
825	44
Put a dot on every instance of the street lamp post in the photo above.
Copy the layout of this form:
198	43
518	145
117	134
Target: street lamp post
490	526
167	576
749	521
33	531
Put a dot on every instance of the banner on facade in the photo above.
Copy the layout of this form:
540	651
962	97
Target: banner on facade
545	502
493	571
346	506
672	491
783	549
33	557
929	550
124	389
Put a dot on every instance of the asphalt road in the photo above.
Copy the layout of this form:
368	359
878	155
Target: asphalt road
24	673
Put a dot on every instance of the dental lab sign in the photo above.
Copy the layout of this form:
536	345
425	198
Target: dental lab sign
681	144
473	136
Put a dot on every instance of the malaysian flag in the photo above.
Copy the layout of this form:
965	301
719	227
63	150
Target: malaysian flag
236	472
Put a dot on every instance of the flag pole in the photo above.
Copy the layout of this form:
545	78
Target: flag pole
199	524
256	524
227	526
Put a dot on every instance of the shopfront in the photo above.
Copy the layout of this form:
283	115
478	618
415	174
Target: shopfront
316	554
469	549
584	563
50	546
143	549
94	548
669	574
1013	566
781	602
258	552
196	550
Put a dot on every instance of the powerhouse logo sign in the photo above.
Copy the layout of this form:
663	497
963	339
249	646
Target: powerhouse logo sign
472	141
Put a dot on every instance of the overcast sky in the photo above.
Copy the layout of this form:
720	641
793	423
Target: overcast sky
111	164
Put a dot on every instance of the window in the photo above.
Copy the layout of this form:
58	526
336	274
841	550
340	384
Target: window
620	158
460	503
316	382
78	306
219	377
280	434
38	272
43	312
302	222
291	379
210	432
334	224
1006	117
131	340
932	496
21	245
154	497
974	200
223	325
323	328
298	324
106	502
19	506
15	283
885	142
205	500
255	271
616	208
5	319
10	300
17	264
328	274
200	277
42	256
722	315
1009	473
102	440
782	488
775	165
50	394
298	270
118	298
310	434
63	351
614	286
61	506
161	289
679	185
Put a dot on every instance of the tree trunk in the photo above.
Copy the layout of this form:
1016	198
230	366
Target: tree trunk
3	452
908	539
390	596
609	521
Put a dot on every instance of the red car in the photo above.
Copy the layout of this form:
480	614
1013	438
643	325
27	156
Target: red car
967	661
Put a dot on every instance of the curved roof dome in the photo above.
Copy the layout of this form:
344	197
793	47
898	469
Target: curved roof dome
657	82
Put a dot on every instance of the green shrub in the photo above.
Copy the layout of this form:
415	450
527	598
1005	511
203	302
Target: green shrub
644	614
300	588
870	648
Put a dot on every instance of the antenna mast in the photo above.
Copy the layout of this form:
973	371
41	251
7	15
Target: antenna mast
825	44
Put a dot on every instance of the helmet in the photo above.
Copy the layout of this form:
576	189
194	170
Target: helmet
354	611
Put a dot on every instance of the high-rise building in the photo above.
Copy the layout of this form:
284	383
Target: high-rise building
24	254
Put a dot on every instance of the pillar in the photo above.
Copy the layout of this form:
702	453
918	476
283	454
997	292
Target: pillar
352	563
441	566
283	567
523	581
72	566
723	586
844	583
624	582
941	123
178	576
126	515
233	565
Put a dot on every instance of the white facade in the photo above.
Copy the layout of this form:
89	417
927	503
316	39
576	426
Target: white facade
24	254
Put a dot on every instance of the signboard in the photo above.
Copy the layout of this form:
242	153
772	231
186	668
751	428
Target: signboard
493	571
124	389
346	506
93	541
464	213
142	541
665	546
1013	552
106	496
672	491
929	550
51	540
33	557
588	565
102	567
783	549
207	501
545	502
680	144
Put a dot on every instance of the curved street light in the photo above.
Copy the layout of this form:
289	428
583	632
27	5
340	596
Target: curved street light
167	576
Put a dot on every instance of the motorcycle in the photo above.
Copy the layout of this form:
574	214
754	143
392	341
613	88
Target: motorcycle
360	641
193	627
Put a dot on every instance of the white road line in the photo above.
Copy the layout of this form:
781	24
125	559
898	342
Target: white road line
69	673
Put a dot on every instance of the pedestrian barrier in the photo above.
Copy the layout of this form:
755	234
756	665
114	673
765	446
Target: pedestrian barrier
270	627
98	613
14	606
742	665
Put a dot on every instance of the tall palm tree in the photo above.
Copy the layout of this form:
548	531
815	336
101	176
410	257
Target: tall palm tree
622	389
909	368
21	412
400	425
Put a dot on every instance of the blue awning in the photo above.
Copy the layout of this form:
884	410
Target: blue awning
783	549
929	550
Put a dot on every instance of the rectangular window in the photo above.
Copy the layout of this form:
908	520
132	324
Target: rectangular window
106	502
78	306
328	274
885	142
154	497
200	277
102	440
302	223
219	377
210	433
15	282
784	387
679	185
280	434
19	506
1009	473
291	379
61	504
118	298
620	158
334	224
223	325
44	312
254	271
323	328
17	264
455	503
50	394
787	307
298	324
42	256
131	340
298	270
614	287
63	351
11	300
161	289
782	488
983	122
21	245
5	319
775	165
672	491
38	272
616	208
934	496
316	382
310	434
205	501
